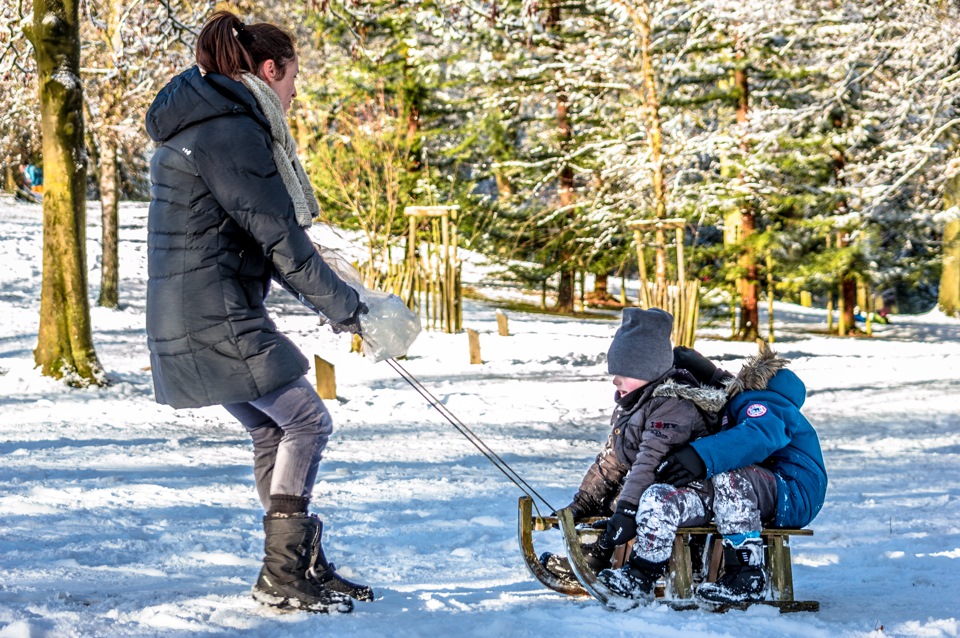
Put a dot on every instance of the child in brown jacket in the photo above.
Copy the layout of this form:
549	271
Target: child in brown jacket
658	408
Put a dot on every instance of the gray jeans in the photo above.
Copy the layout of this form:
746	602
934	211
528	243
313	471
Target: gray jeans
290	428
739	501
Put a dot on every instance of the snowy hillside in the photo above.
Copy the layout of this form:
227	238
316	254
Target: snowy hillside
120	517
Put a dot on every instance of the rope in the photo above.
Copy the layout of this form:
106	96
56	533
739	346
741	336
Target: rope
471	436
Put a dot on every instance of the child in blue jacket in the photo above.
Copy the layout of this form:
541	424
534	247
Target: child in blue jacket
764	466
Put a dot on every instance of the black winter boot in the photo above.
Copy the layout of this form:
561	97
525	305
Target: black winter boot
597	558
325	574
743	580
636	580
283	581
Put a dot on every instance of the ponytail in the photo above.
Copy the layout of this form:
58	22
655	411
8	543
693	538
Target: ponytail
229	47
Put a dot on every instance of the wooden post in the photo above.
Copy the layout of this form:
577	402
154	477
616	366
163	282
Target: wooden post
680	572
474	337
326	378
806	299
502	328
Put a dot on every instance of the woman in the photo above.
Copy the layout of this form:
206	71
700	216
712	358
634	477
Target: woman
229	204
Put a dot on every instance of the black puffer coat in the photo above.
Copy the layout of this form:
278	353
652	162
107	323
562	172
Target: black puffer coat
221	225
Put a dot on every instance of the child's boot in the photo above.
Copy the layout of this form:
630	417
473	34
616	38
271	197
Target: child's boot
636	580
743	579
596	557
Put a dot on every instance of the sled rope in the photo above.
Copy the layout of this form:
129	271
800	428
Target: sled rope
471	436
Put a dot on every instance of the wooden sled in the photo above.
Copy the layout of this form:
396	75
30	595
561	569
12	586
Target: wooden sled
696	558
680	578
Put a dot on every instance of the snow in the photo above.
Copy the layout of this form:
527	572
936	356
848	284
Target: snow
121	517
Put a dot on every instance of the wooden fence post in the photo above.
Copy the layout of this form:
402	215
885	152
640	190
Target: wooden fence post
474	338
326	378
502	327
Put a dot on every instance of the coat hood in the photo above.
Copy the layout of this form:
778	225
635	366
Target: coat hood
192	97
710	400
767	371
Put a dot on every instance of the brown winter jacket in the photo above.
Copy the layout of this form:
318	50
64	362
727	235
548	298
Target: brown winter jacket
668	413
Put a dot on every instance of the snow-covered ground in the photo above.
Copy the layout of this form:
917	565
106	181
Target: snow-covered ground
121	517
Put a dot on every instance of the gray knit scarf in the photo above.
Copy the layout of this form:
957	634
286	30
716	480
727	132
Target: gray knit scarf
285	151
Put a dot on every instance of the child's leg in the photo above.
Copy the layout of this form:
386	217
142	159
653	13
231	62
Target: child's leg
663	508
743	499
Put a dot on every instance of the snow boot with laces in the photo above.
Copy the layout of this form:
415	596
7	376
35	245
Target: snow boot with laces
636	580
288	556
743	579
325	574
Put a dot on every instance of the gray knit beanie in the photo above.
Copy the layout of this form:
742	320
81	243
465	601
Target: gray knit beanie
641	348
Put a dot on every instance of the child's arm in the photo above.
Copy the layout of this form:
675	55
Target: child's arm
668	426
759	432
599	485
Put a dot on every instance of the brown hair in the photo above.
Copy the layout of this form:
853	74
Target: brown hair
228	46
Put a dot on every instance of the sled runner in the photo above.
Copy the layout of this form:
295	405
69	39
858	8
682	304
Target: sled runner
528	523
696	558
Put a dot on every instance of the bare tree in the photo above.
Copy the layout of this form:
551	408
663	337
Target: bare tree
131	48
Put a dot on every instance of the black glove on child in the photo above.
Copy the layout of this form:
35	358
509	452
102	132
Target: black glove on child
351	324
621	528
699	366
682	466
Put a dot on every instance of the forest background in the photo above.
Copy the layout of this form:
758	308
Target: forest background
809	147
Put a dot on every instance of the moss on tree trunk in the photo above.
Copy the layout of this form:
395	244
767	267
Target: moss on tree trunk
65	343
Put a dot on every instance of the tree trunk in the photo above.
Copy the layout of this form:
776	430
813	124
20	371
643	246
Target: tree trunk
600	286
110	260
643	21
949	297
567	289
848	293
65	342
565	293
9	183
848	282
748	285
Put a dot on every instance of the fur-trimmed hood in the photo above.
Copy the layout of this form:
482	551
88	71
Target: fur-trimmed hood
767	371
710	400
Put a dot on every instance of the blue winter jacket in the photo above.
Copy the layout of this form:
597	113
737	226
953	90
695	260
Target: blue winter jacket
764	427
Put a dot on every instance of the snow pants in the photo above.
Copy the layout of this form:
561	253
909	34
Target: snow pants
290	428
738	502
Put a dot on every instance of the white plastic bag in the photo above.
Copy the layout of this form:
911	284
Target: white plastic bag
389	328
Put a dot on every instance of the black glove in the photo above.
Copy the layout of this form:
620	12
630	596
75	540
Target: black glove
699	366
352	323
682	466
621	528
